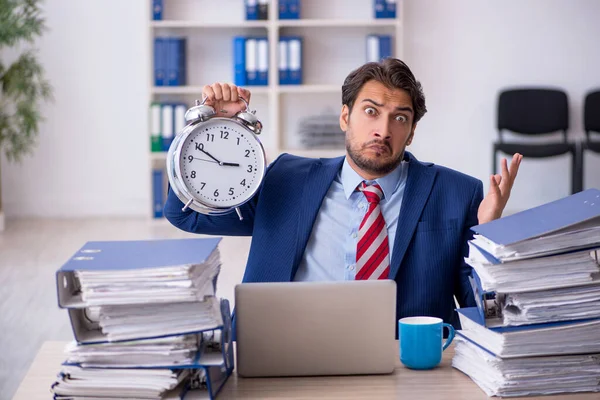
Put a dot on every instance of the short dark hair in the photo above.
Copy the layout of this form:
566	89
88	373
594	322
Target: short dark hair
391	72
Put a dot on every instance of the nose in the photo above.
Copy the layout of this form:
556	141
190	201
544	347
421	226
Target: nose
383	130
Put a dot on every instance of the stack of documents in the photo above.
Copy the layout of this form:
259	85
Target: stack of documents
146	322
321	131
526	376
536	280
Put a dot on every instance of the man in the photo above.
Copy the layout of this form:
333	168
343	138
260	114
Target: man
377	213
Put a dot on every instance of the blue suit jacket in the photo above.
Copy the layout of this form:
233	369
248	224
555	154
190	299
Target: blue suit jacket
438	208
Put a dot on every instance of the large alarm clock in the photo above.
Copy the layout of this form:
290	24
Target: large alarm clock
216	164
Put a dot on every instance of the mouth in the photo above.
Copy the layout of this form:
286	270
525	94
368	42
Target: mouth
379	148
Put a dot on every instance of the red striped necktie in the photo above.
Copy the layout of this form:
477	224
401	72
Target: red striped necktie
373	249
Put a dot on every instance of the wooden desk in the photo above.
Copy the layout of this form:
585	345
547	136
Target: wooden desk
443	382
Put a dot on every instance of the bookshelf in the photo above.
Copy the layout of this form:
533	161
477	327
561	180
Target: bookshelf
333	30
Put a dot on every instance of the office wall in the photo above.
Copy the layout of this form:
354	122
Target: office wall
91	158
465	51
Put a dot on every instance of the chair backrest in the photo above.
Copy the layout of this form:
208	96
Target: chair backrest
591	113
533	111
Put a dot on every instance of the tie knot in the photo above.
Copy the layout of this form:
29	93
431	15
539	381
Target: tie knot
372	192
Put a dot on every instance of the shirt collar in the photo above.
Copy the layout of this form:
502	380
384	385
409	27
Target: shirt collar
389	183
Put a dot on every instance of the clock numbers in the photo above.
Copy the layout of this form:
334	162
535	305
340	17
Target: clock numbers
190	158
247	154
243	182
249	168
199	146
210	137
225	135
238	141
216	193
193	174
203	184
231	191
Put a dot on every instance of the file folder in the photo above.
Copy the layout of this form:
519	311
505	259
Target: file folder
155	127
263	61
251	10
295	60
160	72
167	120
263	10
239	61
158	197
251	61
283	62
157	10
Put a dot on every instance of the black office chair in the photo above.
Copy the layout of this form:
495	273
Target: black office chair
535	112
591	123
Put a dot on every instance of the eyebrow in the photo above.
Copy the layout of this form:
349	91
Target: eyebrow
406	109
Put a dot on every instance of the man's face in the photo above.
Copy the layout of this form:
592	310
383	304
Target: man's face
378	129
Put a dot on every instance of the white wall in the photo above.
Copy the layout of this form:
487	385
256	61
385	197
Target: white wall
465	51
91	158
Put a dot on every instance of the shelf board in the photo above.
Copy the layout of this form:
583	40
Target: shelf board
197	90
337	22
198	24
158	155
309	88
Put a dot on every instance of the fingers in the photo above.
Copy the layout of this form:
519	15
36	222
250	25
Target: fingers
218	91
245	93
209	94
494	184
505	173
514	166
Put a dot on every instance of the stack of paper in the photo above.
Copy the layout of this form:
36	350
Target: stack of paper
146	321
526	376
536	282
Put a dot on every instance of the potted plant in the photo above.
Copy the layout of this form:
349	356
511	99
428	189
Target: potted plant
22	84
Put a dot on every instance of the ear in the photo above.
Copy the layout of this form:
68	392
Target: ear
412	135
344	117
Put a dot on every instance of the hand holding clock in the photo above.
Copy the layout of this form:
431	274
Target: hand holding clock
225	98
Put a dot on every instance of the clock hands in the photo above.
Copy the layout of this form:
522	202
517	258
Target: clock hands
219	162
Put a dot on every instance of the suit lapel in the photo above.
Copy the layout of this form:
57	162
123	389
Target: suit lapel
418	186
317	182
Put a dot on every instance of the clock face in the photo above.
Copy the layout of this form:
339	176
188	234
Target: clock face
222	164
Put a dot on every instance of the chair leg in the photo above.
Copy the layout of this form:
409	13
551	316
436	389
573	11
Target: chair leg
494	166
576	170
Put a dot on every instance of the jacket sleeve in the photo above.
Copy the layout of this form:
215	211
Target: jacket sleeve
223	225
462	288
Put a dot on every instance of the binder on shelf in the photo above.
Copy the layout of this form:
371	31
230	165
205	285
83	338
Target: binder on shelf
158	198
294	9
566	224
263	10
251	61
289	9
157	10
295	60
283	66
155	127
379	8
251	10
390	9
179	119
239	60
385	46
160	72
167	129
372	48
176	61
262	64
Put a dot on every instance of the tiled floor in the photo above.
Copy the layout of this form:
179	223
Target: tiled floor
31	250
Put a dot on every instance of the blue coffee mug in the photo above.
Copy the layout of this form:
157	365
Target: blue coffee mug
421	341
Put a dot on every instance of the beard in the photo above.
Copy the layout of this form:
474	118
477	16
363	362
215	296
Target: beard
380	165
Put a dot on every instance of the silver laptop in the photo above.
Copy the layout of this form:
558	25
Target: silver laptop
315	328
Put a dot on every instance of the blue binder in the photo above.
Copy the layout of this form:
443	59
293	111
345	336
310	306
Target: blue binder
251	10
379	9
176	61
159	61
157	10
158	198
216	366
293	9
129	255
385	46
295	60
284	9
564	213
283	61
239	60
390	9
